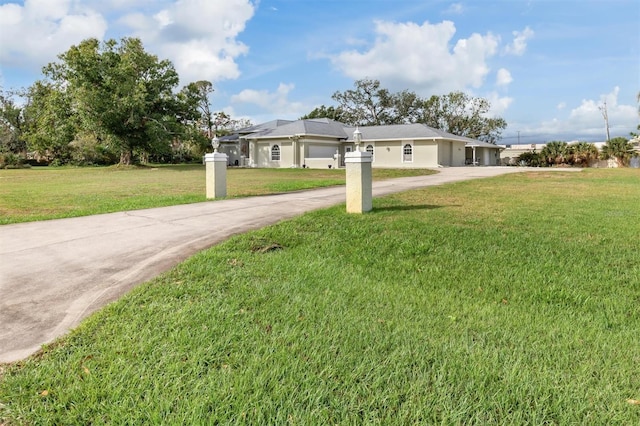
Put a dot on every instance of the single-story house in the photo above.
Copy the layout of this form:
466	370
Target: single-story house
322	143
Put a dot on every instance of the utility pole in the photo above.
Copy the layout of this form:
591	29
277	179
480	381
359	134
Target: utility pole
605	115
518	137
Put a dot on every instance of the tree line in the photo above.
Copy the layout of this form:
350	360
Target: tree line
106	103
580	154
369	104
112	102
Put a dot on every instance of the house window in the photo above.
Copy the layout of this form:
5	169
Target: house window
407	153
370	150
275	153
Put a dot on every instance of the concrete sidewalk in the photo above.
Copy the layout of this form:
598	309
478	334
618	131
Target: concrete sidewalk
55	273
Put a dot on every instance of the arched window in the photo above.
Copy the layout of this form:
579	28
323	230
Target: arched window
370	149
275	153
407	153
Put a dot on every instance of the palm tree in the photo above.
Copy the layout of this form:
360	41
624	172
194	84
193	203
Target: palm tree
555	152
620	149
582	153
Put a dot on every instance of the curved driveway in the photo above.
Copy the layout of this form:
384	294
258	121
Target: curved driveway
55	273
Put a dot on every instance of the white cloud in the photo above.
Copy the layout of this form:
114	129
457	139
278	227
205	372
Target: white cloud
586	120
198	36
455	9
120	6
561	105
163	18
621	117
420	57
519	44
503	78
33	34
499	104
276	103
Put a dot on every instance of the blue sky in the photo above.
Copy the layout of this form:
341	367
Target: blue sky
546	66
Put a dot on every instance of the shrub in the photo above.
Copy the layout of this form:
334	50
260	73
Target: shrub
86	150
619	149
582	154
9	160
555	153
531	159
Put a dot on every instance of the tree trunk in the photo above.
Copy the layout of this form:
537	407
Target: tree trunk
125	158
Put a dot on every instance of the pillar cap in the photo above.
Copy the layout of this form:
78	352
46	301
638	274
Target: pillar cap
216	156
358	157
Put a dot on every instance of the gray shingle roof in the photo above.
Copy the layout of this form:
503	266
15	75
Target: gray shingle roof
396	131
318	127
334	129
410	131
273	124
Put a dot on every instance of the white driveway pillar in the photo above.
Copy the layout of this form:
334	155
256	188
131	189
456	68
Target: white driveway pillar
216	169
359	191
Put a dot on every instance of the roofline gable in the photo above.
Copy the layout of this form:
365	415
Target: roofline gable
277	129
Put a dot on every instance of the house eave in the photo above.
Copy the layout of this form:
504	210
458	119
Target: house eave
428	138
298	135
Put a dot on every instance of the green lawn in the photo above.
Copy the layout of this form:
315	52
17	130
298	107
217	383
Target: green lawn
512	300
50	193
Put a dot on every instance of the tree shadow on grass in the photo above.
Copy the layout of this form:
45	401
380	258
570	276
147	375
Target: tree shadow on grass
407	208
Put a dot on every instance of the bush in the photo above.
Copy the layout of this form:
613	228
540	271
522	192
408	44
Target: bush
86	150
531	159
9	160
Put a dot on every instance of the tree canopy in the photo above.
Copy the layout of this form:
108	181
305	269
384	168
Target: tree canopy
116	99
326	112
51	122
197	95
369	104
121	93
463	115
11	124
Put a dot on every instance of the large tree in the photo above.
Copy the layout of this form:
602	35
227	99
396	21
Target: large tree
367	104
406	107
51	124
121	93
11	124
334	113
370	104
197	95
463	115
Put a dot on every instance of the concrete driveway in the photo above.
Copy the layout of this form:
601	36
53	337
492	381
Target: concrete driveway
55	273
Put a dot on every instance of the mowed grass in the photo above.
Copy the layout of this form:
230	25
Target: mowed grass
51	193
512	300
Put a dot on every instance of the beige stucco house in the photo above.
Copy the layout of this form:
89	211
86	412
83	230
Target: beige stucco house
323	143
